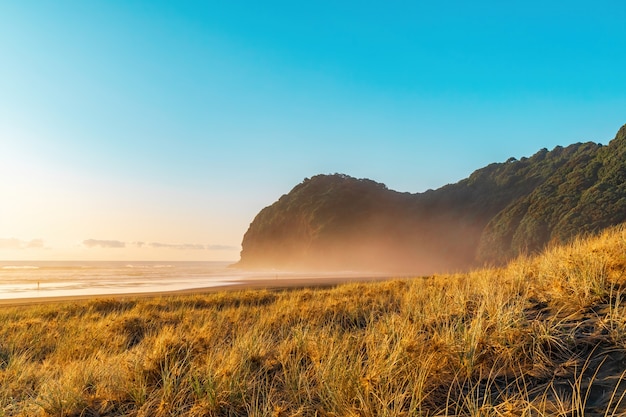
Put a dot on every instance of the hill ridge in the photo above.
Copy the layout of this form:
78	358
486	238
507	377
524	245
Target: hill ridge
498	212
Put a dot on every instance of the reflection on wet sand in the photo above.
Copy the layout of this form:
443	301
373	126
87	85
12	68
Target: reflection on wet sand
46	280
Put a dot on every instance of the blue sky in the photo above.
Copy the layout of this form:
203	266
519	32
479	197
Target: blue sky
176	122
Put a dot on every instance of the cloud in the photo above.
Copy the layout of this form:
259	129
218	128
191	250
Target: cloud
95	243
13	243
222	247
191	246
35	244
178	246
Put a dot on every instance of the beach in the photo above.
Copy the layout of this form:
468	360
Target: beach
44	282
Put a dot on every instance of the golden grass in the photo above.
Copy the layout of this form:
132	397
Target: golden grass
544	336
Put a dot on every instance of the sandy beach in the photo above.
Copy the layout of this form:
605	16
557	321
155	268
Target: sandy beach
249	284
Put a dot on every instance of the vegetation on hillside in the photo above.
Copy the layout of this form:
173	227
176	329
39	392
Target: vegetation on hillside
327	221
543	336
585	193
499	212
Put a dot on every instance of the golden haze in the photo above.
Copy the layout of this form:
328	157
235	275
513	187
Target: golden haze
543	336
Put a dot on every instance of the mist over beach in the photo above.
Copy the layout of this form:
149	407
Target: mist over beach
49	280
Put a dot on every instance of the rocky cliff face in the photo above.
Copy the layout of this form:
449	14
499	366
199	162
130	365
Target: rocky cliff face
500	211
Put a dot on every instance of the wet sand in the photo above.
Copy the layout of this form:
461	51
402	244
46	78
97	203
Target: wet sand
252	284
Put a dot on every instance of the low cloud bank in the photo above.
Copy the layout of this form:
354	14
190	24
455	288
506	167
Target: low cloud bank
35	244
190	246
96	243
179	246
222	247
13	243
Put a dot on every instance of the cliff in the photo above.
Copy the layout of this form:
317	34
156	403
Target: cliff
504	209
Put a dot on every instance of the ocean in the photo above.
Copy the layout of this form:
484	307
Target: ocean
33	279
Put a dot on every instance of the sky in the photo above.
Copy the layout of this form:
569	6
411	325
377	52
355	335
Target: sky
157	130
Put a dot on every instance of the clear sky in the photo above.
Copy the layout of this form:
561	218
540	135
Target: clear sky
156	130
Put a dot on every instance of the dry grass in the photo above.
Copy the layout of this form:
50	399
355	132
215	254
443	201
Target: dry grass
544	336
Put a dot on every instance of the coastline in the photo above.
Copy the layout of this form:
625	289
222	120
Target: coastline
272	284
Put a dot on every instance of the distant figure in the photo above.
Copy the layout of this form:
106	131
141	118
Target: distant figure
37	285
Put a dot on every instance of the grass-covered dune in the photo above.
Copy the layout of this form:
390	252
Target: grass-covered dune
542	336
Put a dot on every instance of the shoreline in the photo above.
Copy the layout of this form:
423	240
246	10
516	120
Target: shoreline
271	284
